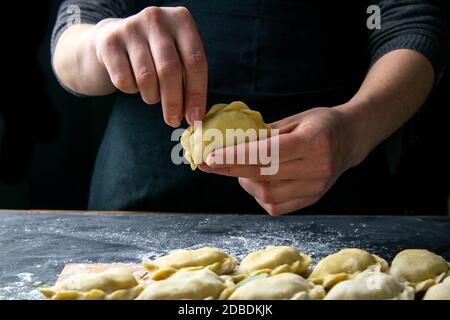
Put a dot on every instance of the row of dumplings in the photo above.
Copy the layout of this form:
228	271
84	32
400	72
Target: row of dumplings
275	273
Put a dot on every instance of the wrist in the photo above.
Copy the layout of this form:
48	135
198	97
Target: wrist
355	131
93	77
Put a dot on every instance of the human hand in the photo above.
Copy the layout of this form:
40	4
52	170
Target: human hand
315	148
157	52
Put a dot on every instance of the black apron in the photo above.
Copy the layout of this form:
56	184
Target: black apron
281	58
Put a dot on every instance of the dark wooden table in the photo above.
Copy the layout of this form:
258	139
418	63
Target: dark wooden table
34	247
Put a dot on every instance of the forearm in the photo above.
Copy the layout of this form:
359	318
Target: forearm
394	89
76	64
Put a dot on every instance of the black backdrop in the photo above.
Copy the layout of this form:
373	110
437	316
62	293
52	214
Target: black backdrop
48	138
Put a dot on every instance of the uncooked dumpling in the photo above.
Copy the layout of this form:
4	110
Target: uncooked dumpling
237	115
189	284
210	258
283	286
273	260
371	285
440	291
113	284
343	265
419	268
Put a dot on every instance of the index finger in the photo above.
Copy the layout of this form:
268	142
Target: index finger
193	57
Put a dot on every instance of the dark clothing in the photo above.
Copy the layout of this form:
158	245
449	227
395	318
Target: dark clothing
281	58
418	25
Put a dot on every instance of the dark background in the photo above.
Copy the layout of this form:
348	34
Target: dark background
49	138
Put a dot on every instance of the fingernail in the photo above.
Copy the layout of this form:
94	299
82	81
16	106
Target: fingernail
210	160
195	115
174	121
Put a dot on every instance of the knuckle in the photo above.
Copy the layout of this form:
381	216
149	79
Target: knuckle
265	194
247	185
145	76
196	62
169	68
172	108
243	183
151	13
123	83
183	12
196	98
130	26
272	209
111	39
154	99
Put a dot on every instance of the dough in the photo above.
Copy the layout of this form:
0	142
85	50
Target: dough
236	115
371	285
439	291
343	265
210	258
283	286
419	268
273	273
113	284
273	260
189	284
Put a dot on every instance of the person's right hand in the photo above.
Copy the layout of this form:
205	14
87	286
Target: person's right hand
159	53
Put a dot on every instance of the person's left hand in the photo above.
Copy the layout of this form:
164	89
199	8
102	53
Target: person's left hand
315	148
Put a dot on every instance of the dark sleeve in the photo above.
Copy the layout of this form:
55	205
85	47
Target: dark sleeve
418	25
86	11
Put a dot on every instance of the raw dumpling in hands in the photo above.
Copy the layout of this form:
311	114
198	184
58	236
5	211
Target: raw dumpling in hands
419	268
440	291
283	286
343	265
371	285
113	284
209	258
274	260
189	284
237	115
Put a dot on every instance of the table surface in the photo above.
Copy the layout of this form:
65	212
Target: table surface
35	247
